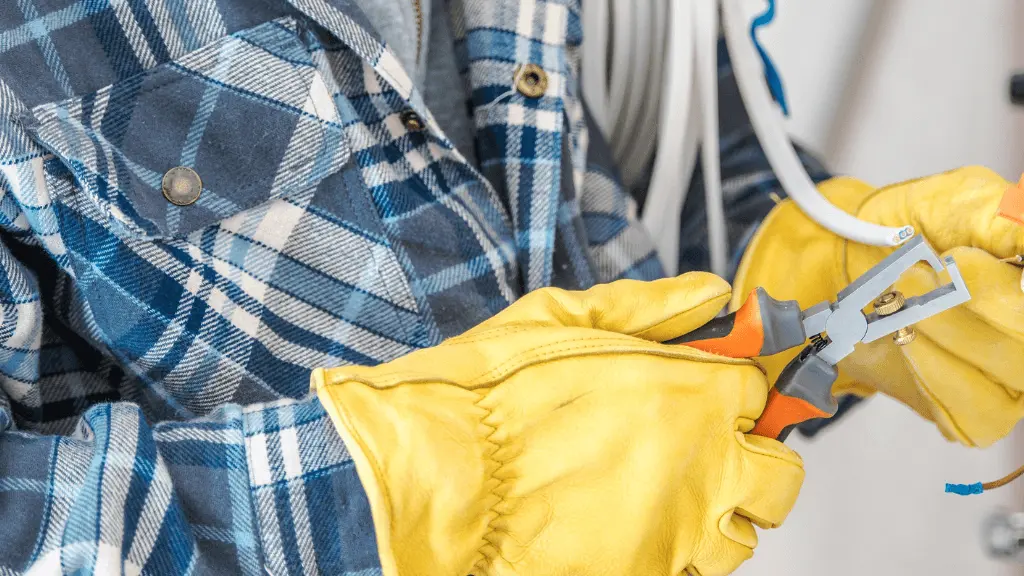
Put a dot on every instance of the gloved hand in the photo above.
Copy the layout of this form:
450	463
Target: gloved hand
559	437
962	372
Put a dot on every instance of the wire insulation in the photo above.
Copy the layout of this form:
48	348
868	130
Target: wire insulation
1004	480
641	81
768	125
706	41
980	487
677	140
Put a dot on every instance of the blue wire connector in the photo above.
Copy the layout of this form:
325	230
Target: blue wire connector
770	73
965	489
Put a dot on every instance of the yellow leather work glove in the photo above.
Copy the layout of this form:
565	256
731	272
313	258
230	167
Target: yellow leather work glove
963	370
559	437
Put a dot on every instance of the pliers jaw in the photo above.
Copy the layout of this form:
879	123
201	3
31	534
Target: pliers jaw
844	321
764	326
803	390
919	308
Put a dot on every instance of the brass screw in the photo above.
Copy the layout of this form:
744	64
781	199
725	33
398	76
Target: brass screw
904	336
891	303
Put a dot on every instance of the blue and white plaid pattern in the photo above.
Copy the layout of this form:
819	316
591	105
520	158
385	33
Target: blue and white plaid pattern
154	412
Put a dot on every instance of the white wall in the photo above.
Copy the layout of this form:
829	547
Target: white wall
934	97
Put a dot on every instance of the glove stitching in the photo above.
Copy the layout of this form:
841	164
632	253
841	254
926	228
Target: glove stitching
482	566
547	352
492	333
519	326
651	326
965	438
1012	394
623	344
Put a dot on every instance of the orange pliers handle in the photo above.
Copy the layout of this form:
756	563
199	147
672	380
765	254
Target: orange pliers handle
761	327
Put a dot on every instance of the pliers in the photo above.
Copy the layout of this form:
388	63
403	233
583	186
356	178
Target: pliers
764	326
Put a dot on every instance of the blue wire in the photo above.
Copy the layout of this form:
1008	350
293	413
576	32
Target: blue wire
770	73
965	489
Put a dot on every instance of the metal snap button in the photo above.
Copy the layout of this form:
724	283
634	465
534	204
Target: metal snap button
531	81
181	186
412	121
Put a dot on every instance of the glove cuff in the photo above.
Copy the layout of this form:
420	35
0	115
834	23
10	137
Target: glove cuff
428	477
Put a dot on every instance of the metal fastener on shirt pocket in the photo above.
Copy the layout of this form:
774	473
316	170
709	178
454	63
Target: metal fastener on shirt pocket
531	81
412	121
181	186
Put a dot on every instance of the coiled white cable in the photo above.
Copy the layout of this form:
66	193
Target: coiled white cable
594	80
677	147
706	41
639	76
620	88
638	151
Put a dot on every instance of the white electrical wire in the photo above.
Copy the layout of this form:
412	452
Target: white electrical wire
639	75
620	72
595	62
677	147
706	42
640	85
768	125
637	155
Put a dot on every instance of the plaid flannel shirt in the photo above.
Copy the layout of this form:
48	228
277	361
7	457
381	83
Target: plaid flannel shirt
154	407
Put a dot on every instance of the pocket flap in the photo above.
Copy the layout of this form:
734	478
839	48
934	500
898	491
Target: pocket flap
250	114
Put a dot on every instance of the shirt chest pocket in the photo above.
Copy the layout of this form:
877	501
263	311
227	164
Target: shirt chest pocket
216	226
